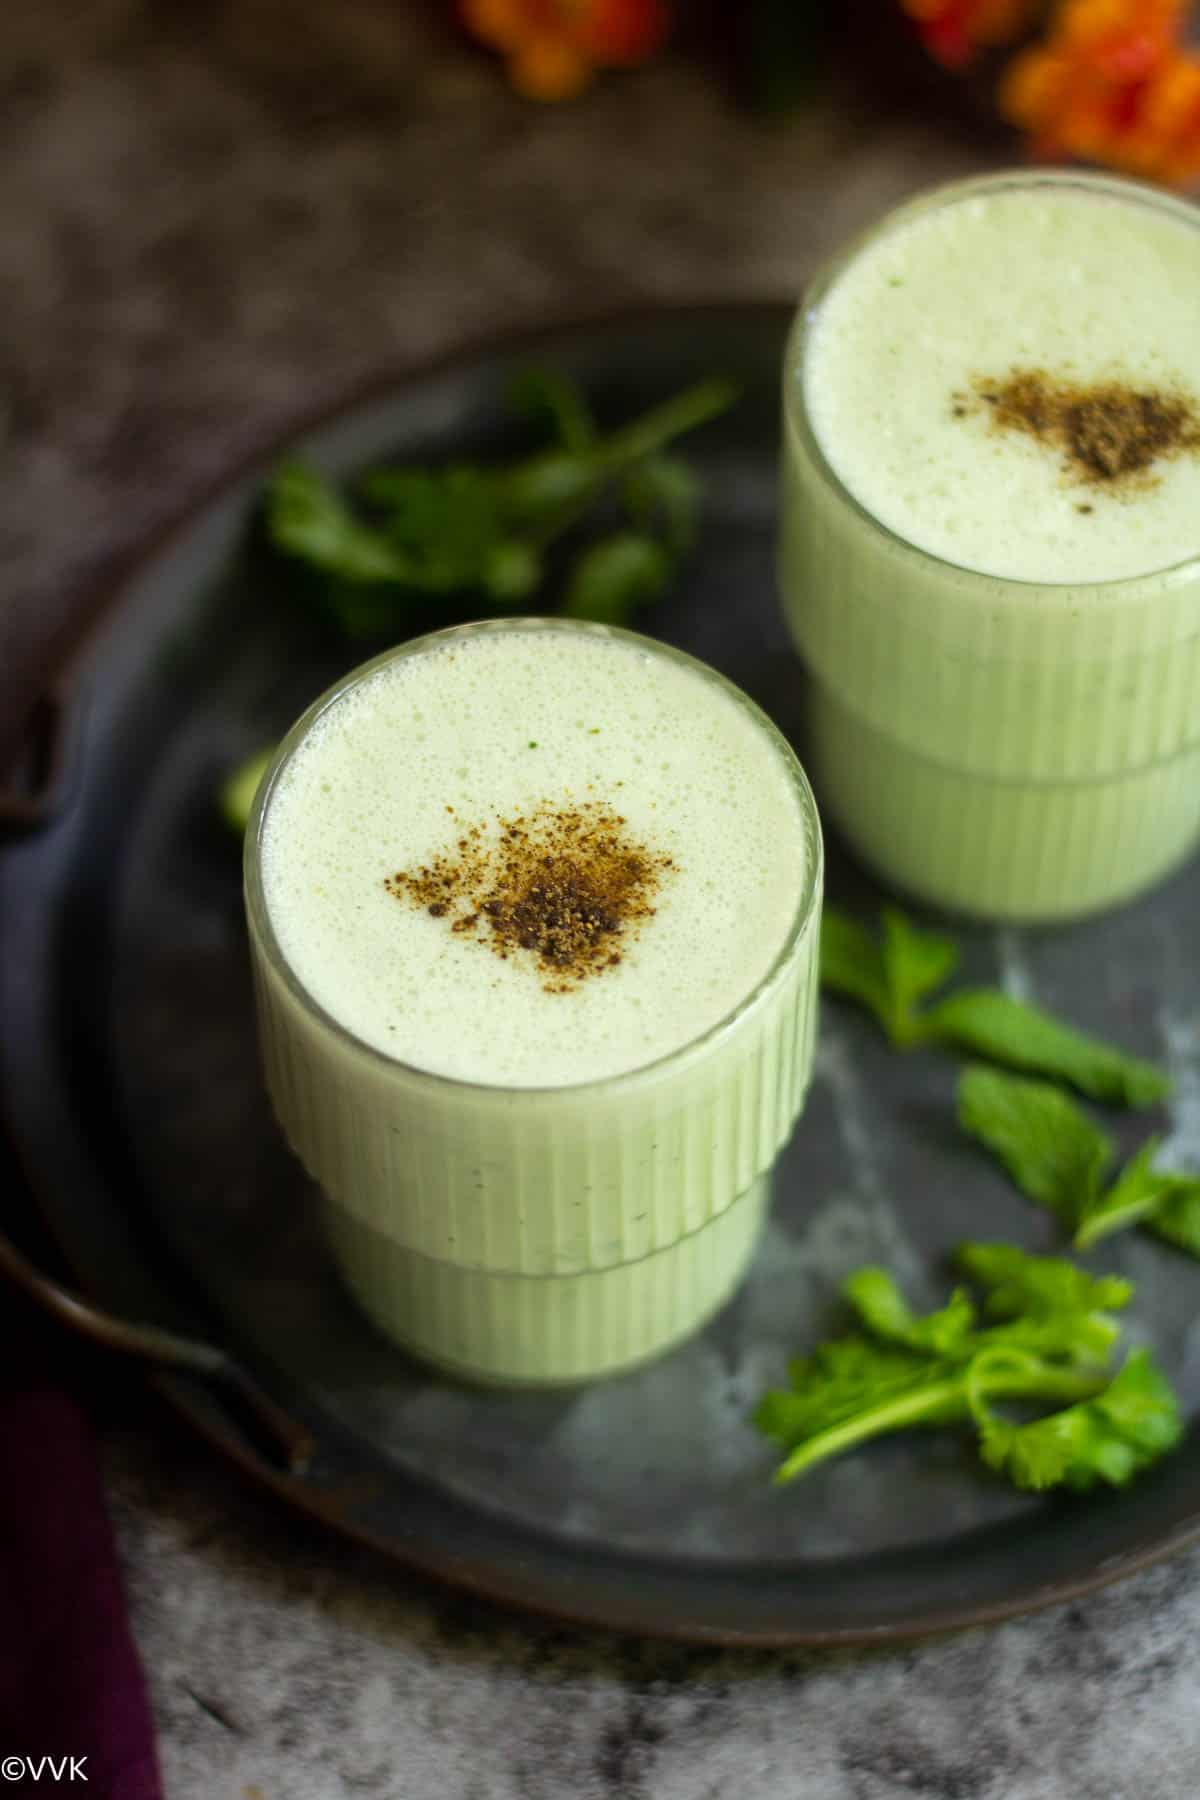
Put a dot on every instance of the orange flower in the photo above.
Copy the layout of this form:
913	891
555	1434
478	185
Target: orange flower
553	47
1112	83
954	30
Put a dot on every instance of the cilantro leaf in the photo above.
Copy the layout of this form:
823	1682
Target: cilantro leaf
850	1390
1051	1149
542	394
662	495
308	518
1047	1304
991	1024
885	1312
1052	1346
484	529
1016	1282
888	978
1109	1437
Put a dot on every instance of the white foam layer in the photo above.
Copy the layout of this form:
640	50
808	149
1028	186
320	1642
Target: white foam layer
495	725
1087	286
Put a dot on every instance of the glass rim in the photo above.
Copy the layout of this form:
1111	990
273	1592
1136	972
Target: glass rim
951	193
268	945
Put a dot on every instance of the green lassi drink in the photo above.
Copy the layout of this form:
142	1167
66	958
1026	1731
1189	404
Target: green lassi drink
533	909
990	549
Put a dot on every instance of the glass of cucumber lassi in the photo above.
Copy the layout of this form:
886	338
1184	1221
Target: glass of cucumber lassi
990	541
533	911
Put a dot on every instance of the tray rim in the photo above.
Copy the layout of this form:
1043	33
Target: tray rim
99	603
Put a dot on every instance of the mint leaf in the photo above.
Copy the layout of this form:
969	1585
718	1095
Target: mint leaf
611	579
888	978
892	979
1053	1152
915	963
1109	1437
1177	1215
852	964
1133	1199
1059	1159
992	1025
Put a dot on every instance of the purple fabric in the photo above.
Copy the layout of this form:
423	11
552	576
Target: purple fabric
71	1683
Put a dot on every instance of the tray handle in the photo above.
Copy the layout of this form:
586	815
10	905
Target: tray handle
288	1444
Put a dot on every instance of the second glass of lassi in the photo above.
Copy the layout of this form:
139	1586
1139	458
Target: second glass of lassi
533	911
990	541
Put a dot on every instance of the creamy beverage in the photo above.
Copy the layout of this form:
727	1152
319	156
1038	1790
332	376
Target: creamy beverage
566	732
991	540
534	908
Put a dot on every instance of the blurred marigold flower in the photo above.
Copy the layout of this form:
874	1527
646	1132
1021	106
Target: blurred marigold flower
954	31
1111	82
553	47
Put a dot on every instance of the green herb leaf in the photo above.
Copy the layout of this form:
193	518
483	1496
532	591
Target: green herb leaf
1177	1215
1052	1347
611	579
852	964
483	530
1059	1159
237	792
915	963
1017	1283
1049	1306
1053	1152
1109	1438
662	494
512	570
851	1390
885	1312
1134	1197
548	396
892	980
889	978
991	1024
307	518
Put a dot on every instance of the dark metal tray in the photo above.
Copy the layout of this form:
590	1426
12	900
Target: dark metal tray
131	1086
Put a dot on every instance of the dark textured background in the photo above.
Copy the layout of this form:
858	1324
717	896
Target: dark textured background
215	218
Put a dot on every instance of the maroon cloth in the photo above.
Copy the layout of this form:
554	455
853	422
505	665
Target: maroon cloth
71	1683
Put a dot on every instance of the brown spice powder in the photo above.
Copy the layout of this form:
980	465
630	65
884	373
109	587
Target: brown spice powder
1107	433
562	885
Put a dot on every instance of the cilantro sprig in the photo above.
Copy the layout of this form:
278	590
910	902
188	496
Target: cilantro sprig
1061	1160
1045	1339
895	975
484	531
